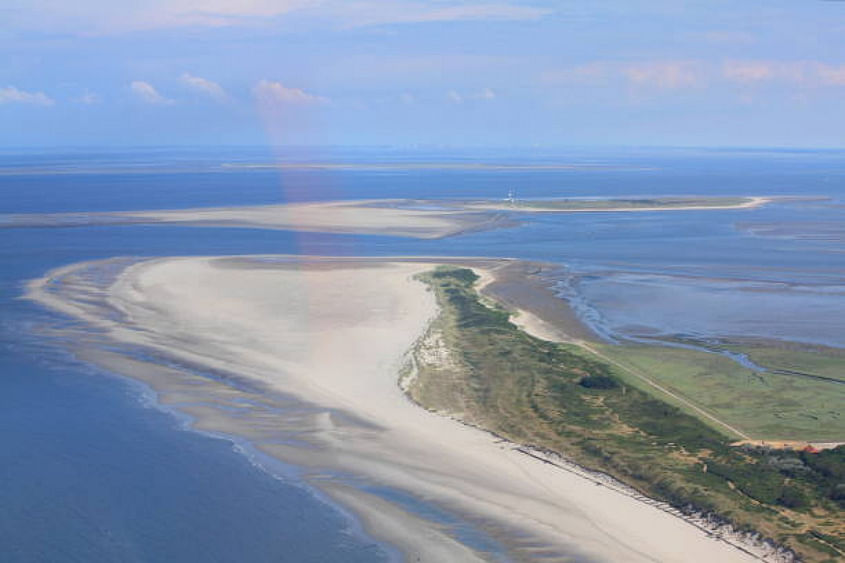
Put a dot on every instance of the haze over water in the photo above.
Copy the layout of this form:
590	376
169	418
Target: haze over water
91	466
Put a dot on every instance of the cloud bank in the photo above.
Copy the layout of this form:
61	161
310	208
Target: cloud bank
13	95
270	94
106	17
806	73
684	74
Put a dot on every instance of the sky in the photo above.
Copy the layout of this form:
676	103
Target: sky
436	73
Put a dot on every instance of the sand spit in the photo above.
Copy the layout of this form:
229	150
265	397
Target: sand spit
368	217
333	334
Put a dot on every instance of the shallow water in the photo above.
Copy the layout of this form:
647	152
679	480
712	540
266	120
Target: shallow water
92	473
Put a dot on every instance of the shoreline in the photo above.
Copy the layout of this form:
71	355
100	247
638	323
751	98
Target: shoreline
521	286
379	462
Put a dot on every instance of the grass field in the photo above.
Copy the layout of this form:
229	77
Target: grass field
475	365
766	406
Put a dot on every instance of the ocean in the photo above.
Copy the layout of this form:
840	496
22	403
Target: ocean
94	469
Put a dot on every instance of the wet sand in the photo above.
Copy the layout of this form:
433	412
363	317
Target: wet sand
524	288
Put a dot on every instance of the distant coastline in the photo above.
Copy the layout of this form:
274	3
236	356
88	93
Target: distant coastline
413	218
688	203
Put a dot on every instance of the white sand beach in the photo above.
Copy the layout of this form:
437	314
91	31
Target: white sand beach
335	334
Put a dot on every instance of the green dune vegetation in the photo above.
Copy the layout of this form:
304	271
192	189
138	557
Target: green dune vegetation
616	204
590	405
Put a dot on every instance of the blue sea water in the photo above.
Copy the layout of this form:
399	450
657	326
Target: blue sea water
91	471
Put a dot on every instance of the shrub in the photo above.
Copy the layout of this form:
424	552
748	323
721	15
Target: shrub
598	382
792	497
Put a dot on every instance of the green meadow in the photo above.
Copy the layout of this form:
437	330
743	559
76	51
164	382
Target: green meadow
765	405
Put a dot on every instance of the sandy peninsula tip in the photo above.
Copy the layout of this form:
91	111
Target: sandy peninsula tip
335	335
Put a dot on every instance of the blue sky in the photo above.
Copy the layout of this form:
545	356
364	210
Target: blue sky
413	72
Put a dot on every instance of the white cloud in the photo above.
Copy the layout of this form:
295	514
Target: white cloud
487	94
271	93
805	73
407	99
646	78
88	98
12	95
748	71
834	75
147	93
658	74
107	17
669	75
381	12
204	86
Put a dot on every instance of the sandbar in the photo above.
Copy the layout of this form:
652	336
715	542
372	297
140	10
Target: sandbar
367	217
